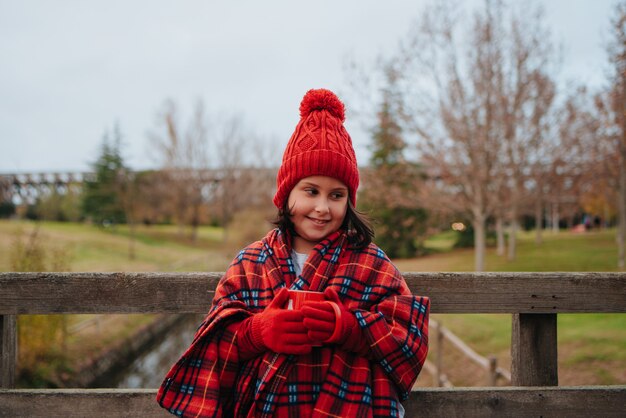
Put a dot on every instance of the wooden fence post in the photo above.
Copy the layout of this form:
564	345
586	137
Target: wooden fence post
534	358
8	350
439	354
492	373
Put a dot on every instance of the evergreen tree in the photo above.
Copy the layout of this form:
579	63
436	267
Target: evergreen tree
102	197
390	196
388	145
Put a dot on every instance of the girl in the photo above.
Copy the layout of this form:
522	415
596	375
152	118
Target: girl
355	350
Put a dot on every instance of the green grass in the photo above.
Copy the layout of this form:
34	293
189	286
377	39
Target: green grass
565	251
598	336
91	248
490	332
207	236
443	241
592	347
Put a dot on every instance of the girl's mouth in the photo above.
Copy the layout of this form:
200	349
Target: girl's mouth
318	221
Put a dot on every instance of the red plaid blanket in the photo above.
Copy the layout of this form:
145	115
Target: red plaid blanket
209	380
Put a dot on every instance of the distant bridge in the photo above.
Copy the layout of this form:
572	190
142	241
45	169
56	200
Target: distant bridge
25	188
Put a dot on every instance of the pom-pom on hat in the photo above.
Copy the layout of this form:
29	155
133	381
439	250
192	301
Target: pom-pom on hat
320	146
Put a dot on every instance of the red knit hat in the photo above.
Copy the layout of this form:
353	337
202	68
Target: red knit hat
320	146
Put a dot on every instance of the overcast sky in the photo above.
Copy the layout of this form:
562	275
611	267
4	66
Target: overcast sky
71	69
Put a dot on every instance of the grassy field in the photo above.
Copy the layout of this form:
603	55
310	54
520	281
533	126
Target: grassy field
592	347
565	251
90	248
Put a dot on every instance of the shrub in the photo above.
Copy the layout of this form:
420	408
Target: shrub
40	337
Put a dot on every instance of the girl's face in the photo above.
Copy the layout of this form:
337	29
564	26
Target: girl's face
317	206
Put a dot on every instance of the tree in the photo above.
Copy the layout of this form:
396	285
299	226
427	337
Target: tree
526	102
391	183
617	50
152	191
606	170
454	107
184	158
204	167
231	191
102	201
247	172
59	205
471	99
573	163
601	196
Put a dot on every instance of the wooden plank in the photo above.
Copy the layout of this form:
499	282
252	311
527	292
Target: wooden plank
534	356
35	293
91	403
521	292
571	402
596	401
47	293
8	350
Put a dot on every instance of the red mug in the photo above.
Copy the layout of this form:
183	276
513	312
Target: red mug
298	297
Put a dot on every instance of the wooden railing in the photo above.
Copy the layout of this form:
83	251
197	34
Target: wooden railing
534	299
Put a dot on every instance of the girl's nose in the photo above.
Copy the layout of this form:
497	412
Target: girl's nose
321	205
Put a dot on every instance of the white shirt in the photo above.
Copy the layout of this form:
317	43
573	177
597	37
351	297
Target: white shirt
298	261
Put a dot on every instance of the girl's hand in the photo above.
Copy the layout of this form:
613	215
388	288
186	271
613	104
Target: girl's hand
280	330
320	320
329	321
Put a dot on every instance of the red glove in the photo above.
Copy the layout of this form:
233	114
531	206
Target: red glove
275	329
330	322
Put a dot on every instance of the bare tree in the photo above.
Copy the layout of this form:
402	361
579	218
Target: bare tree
476	100
152	193
617	130
524	92
231	150
459	136
566	166
604	122
184	159
212	169
525	140
247	166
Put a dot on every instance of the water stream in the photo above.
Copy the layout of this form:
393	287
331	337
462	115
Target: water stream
148	370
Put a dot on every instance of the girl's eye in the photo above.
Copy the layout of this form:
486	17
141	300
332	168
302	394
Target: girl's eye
337	195
310	191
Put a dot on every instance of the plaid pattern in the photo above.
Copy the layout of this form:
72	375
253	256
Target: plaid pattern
210	381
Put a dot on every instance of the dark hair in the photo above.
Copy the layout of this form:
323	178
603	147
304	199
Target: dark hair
356	224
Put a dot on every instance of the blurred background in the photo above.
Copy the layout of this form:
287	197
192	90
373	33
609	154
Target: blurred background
146	136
